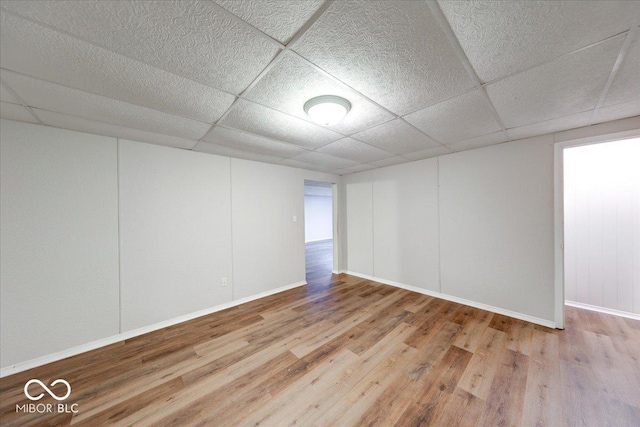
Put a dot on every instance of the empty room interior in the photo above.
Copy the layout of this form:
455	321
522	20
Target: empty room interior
319	213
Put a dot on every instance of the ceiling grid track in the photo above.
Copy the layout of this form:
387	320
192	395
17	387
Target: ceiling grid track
455	43
284	48
19	98
616	66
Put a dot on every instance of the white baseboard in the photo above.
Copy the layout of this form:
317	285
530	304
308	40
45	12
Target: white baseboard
54	357
498	310
605	310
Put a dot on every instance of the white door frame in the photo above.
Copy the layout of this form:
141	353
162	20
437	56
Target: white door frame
336	229
558	196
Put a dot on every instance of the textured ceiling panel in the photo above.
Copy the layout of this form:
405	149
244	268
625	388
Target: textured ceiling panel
49	55
304	165
568	85
390	161
463	117
554	125
191	38
100	128
618	111
481	141
501	38
626	84
354	169
393	52
7	96
220	150
324	160
61	99
16	112
264	121
352	149
396	137
254	143
293	81
428	153
280	19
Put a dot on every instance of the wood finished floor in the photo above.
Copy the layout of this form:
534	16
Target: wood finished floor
347	351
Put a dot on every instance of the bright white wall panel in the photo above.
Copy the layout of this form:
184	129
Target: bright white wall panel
358	205
496	219
59	240
175	220
405	224
602	225
268	247
318	218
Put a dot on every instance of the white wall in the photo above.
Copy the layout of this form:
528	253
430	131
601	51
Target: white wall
59	240
358	222
476	225
602	225
496	226
268	247
318	218
175	221
405	205
187	219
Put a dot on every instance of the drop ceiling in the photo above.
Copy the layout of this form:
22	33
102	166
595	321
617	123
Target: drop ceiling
231	77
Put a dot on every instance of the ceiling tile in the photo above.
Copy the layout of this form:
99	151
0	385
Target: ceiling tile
393	52
352	149
220	150
626	83
480	141
304	165
324	160
61	99
254	143
568	85
554	125
191	38
396	137
390	161
463	117
40	52
293	81
7	96
108	129
267	122
428	153
354	169
16	112
280	19
501	37
618	111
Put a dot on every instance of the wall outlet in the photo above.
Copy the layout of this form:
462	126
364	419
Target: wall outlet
224	281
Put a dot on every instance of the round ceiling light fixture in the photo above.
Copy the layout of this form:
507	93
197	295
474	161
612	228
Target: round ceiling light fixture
327	110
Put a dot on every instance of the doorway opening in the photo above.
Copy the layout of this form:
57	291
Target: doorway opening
319	230
602	227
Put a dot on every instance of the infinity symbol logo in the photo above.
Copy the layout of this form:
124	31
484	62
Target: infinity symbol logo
52	394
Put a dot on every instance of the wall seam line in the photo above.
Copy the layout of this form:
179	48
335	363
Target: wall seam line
439	227
233	277
119	236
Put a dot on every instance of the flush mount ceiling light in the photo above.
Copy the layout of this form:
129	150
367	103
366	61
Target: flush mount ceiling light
327	110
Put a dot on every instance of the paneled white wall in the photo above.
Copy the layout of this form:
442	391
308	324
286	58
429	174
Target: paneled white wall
268	246
358	222
59	240
175	232
496	226
405	205
476	225
602	225
318	218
